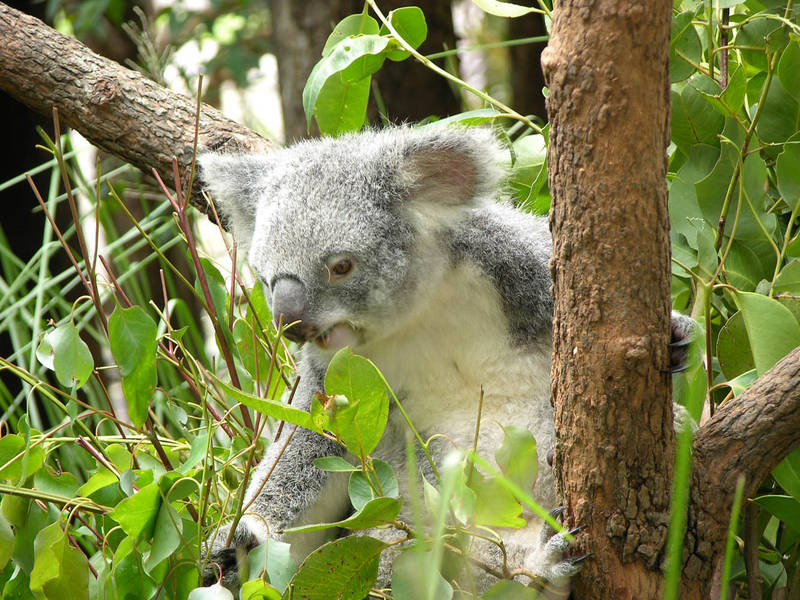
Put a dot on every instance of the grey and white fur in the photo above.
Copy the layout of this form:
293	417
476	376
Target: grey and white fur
402	244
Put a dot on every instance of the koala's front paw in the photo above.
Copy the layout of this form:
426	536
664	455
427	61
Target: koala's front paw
683	330
548	561
225	560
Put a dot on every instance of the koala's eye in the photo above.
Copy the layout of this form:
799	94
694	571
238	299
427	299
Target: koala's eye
340	267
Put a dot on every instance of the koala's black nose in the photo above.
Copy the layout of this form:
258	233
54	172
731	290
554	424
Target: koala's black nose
290	304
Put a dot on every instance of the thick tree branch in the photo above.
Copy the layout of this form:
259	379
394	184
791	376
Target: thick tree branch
747	436
115	108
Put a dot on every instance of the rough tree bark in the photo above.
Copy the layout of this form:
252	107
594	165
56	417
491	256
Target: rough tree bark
115	108
610	267
607	69
609	100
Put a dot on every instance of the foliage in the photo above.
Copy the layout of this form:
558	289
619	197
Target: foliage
734	201
97	503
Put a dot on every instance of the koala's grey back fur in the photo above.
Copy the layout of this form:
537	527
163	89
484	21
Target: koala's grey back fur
449	294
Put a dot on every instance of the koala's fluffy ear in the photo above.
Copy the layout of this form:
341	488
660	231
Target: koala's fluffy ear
235	182
453	166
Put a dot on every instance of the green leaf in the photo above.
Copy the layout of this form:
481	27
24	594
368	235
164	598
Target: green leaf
789	67
216	289
685	44
733	347
752	39
772	329
743	267
788	280
6	541
731	99
529	174
337	89
787	474
343	569
272	408
60	571
787	170
510	590
409	23
197	453
517	457
779	116
132	335
379	511
10	447
704	244
785	508
129	577
469	118
276	558
361	492
212	592
138	514
683	204
63	350
503	9
495	505
167	535
352	25
416	576
696	121
335	464
258	589
361	424
740	383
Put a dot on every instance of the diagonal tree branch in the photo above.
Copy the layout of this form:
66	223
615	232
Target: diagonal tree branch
115	108
747	436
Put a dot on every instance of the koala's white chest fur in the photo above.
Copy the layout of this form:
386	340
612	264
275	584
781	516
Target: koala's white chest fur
456	344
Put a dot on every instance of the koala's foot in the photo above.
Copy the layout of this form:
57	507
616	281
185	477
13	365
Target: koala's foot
225	560
548	561
683	330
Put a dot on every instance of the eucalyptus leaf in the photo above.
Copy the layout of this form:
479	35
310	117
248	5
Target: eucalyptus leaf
771	327
787	474
350	26
503	9
785	508
360	426
409	23
685	49
338	87
132	335
789	67
787	171
345	569
378	511
69	356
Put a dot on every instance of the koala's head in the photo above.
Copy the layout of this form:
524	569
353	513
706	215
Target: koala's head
346	232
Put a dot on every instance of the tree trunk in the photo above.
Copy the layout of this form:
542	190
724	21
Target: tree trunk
117	109
609	131
609	100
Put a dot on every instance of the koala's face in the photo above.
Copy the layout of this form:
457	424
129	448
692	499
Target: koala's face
334	251
345	232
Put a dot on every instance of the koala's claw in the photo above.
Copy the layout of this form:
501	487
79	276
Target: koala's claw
548	561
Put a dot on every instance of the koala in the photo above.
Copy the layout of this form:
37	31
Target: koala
401	244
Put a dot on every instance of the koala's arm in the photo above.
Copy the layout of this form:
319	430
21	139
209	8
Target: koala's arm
287	490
